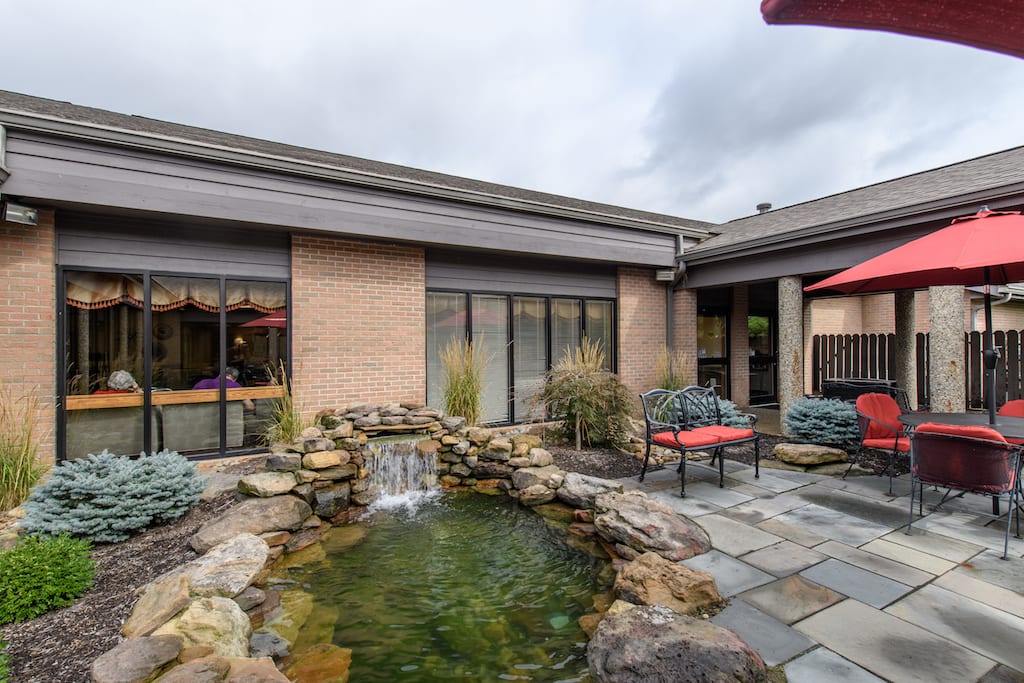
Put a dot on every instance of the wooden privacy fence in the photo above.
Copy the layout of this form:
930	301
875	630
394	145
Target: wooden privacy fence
874	356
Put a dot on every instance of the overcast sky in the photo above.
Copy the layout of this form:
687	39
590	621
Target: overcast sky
691	108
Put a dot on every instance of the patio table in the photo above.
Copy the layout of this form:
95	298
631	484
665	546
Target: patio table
1009	427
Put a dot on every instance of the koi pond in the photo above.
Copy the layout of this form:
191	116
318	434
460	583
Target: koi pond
459	586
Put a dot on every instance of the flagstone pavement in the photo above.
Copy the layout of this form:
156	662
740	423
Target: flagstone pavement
823	579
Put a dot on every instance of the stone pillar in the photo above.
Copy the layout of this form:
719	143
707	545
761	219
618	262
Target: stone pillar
946	350
791	343
684	330
739	347
906	344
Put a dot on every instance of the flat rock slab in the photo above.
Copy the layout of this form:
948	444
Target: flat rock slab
161	601
824	665
833	524
769	637
229	568
216	622
791	599
732	576
854	582
808	454
580	490
890	647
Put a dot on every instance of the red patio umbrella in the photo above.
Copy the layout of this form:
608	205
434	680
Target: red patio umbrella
996	25
278	319
984	249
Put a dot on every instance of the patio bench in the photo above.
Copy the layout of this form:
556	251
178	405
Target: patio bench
691	419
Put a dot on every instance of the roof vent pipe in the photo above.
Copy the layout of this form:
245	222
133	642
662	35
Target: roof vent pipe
764	207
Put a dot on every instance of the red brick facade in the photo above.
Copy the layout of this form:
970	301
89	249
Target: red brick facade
641	302
358	332
27	306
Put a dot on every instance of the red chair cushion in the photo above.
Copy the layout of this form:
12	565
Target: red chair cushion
901	444
972	431
729	433
685	439
1013	408
883	409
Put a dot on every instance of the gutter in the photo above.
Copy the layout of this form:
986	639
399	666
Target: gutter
52	125
975	308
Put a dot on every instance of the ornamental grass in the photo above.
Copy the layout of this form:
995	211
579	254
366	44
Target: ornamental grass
20	468
464	363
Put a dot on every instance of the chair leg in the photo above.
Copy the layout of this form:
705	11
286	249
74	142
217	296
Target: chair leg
682	475
721	468
1009	519
853	461
757	458
892	468
647	456
910	519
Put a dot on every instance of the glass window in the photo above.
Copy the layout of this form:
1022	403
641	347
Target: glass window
599	327
490	336
446	320
566	328
189	345
530	346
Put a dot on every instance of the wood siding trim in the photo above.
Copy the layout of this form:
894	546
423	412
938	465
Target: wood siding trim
504	274
90	174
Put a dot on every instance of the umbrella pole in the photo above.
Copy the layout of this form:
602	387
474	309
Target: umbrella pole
990	356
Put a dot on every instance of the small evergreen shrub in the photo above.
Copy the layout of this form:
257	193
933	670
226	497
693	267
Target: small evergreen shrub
822	421
41	573
105	497
590	402
5	664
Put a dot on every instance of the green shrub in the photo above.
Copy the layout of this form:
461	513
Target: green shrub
591	403
20	468
822	421
464	363
5	664
105	497
42	573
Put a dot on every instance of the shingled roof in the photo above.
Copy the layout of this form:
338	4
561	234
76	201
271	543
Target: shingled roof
12	104
990	175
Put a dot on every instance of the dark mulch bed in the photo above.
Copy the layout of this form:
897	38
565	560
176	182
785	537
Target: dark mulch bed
60	646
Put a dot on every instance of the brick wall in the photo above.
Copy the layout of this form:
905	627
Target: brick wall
684	329
358	332
27	307
641	327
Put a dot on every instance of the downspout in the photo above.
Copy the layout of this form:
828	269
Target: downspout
680	267
1004	299
4	173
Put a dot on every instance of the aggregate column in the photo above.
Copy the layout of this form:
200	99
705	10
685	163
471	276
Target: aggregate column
906	346
791	344
946	349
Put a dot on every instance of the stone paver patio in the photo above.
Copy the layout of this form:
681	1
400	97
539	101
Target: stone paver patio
823	580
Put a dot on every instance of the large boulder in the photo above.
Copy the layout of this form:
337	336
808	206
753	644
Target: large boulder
266	484
209	669
654	644
216	622
538	494
580	490
532	476
652	580
161	601
634	520
256	516
135	659
228	568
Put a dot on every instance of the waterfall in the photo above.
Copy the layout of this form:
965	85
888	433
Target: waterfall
401	476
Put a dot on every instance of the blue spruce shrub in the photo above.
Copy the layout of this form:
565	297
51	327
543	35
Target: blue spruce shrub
822	421
105	497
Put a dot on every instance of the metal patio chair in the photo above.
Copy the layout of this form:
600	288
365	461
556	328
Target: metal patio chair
880	428
969	459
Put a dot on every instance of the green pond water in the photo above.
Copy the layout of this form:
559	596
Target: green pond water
464	587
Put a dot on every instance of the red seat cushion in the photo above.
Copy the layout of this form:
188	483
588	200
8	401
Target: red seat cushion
1014	408
685	439
972	431
729	433
901	444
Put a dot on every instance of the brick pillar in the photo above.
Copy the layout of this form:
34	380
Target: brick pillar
27	303
739	347
946	350
641	311
791	350
358	322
